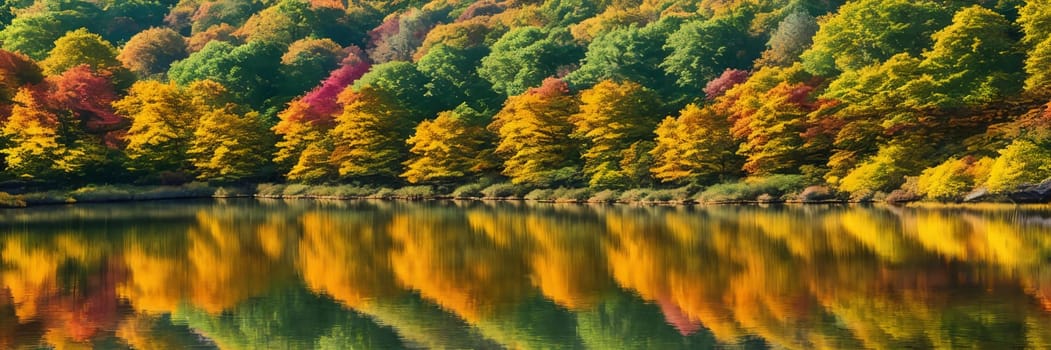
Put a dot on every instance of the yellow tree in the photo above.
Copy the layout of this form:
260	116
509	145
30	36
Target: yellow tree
613	118
304	147
162	125
369	137
229	146
533	130
452	146
694	147
80	47
33	132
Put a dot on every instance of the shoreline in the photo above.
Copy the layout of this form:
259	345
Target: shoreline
146	194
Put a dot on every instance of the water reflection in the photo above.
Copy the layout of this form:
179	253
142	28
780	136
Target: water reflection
271	274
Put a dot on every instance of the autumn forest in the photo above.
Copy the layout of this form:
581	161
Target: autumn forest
606	99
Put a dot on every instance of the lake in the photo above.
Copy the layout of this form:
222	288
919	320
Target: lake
255	274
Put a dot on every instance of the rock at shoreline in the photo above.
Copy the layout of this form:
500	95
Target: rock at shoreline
816	194
978	195
1032	193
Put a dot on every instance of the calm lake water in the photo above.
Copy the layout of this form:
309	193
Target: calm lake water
248	274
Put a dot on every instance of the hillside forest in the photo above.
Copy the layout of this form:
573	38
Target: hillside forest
933	98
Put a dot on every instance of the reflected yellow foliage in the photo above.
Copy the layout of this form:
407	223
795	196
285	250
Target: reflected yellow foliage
473	282
566	263
29	273
471	275
346	257
156	284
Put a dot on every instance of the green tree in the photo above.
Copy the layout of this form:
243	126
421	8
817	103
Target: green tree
702	49
524	57
129	17
867	32
248	71
974	61
629	53
534	142
613	116
33	36
453	74
403	86
34	31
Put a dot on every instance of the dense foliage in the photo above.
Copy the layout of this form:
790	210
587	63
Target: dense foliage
858	96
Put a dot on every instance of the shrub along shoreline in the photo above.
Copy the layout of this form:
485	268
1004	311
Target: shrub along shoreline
767	190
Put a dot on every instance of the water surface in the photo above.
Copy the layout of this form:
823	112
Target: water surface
250	274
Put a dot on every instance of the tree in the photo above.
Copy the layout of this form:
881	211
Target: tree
32	36
629	53
613	116
162	126
1035	20
719	86
450	147
303	126
403	86
284	22
866	32
696	147
1038	66
229	146
953	178
16	71
886	170
773	143
611	19
397	38
974	60
214	12
307	62
246	70
88	97
794	35
152	51
34	31
80	47
700	50
369	137
34	132
534	142
220	32
473	33
524	57
454	79
1021	162
126	18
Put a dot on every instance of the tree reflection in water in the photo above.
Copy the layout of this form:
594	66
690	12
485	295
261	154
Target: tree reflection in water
270	274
